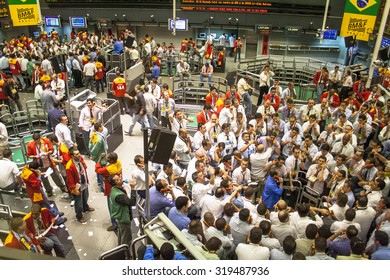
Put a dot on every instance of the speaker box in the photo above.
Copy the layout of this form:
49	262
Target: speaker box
160	145
384	54
58	63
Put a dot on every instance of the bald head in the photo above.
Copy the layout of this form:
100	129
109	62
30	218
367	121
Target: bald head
199	154
281	205
260	148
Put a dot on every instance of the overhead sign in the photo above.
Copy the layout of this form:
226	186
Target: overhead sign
4	12
359	18
24	12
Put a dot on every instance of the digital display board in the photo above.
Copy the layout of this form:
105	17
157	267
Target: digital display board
330	34
4	11
52	21
263	28
385	42
181	24
293	30
78	22
252	7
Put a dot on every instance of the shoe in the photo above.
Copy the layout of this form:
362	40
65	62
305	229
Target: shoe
90	209
64	220
82	220
72	203
112	228
49	194
61	214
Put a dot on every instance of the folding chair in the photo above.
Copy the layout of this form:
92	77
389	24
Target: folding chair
311	196
21	123
120	252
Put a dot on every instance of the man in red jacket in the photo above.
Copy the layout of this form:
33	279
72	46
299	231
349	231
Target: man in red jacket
40	150
15	68
204	115
275	100
320	80
18	239
37	222
77	181
31	177
113	167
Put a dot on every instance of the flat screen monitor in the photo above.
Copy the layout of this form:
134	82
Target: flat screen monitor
330	34
181	24
52	21
78	22
36	34
385	42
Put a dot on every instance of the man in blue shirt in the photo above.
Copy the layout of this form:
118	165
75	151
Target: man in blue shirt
382	241
178	214
155	72
118	47
158	199
273	189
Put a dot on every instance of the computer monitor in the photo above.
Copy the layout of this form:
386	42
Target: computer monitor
52	21
78	22
181	24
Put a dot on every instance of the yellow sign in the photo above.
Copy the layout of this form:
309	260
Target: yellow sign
24	15
360	26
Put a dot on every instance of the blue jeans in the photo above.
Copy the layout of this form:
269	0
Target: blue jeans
202	78
99	179
113	221
247	99
81	203
150	121
319	90
52	242
53	210
137	117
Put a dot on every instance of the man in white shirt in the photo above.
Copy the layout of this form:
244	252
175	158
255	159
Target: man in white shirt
317	175
89	115
243	89
242	175
266	110
10	176
178	121
291	140
288	93
63	133
364	217
307	110
283	228
155	89
265	82
258	162
183	69
253	250
343	147
227	137
311	127
89	74
301	219
200	188
335	79
57	85
226	115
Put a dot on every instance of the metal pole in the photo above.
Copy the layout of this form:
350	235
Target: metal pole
324	20
146	161
174	17
378	42
40	21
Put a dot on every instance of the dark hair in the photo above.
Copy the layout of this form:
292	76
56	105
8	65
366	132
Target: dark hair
7	153
220	223
351	231
265	226
213	244
255	235
167	251
244	214
382	237
342	199
350	214
180	202
311	231
357	246
261	208
320	244
303	209
289	245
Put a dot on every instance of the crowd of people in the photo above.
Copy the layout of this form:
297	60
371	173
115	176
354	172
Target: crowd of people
232	188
